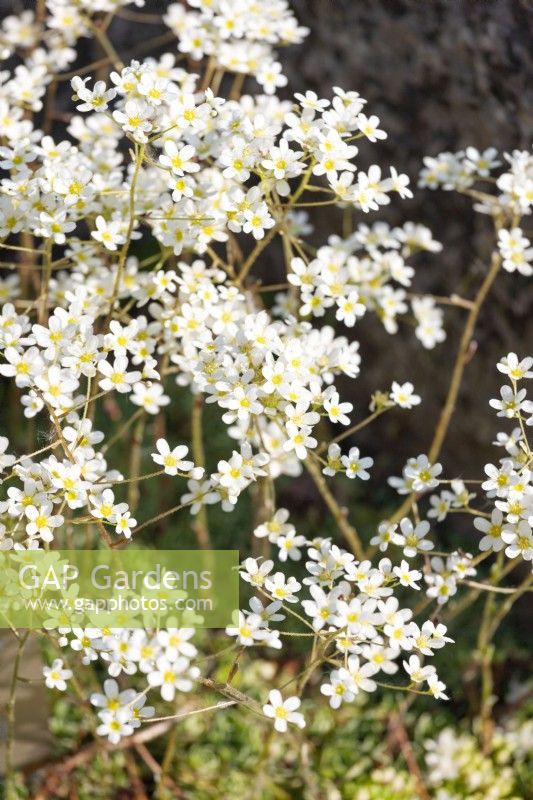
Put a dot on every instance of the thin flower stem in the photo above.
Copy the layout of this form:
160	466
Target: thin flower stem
136	478
201	524
452	300
256	252
35	453
360	425
139	157
121	431
215	707
487	587
152	520
45	281
236	88
319	203
348	531
399	732
11	790
135	462
150	19
274	287
508	604
472	596
20	249
82	405
232	694
462	358
400	688
521	420
105	44
461	361
260	246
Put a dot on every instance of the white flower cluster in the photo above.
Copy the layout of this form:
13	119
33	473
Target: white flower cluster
457	768
462	170
352	609
508	488
509	484
262	374
516	252
87	318
351	283
79	480
238	36
162	657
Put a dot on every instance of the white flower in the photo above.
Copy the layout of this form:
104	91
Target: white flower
57	676
124	523
361	674
42	521
171	675
511	402
430	637
349	309
283	711
248	629
115	725
483	162
440	505
109	233
499	480
515	369
175	642
416	671
111	699
104	506
519	541
492	540
116	375
172	460
369	127
270	77
403	395
322	609
151	397
134	119
384	536
56	386
299	440
337	411
96	99
257	220
422	474
179	159
5	459
289	547
340	689
276	526
516	252
406	576
355	466
334	463
412	538
399	183
283	587
437	687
